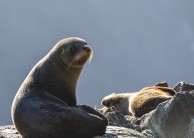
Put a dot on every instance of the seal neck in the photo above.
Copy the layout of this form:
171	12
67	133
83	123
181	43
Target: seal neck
56	80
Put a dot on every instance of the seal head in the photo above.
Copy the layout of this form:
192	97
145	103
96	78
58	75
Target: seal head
119	100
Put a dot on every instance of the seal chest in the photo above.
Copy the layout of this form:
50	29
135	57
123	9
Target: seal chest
45	104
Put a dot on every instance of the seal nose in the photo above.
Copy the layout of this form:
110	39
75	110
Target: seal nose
87	49
109	104
106	103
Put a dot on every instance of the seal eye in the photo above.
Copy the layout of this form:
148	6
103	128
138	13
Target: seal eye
72	49
61	51
117	102
109	104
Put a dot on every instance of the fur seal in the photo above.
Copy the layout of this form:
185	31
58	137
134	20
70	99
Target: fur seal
45	104
139	103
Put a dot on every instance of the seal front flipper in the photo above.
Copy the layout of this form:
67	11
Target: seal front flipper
85	124
92	111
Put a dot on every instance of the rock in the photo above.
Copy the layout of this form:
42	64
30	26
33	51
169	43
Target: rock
183	86
128	126
121	132
9	132
111	132
173	118
116	118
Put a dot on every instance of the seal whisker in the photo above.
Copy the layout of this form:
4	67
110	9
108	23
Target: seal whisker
70	65
90	57
77	58
73	62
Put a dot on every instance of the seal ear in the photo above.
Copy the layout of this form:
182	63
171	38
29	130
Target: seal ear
162	84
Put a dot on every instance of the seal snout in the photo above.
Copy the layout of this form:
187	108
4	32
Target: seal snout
105	103
87	49
89	52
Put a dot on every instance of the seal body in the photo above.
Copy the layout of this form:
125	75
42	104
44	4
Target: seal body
45	104
139	103
148	99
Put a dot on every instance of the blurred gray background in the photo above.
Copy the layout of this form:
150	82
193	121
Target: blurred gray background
135	43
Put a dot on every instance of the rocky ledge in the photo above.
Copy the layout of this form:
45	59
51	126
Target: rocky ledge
171	119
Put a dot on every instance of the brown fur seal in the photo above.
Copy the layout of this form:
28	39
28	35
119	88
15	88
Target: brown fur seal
45	104
139	103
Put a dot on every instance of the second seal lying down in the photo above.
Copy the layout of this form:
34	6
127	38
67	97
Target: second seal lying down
45	104
139	103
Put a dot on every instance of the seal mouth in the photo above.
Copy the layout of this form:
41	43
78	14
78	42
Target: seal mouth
81	58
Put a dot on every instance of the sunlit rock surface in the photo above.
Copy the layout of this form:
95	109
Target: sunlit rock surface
9	132
171	119
112	132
